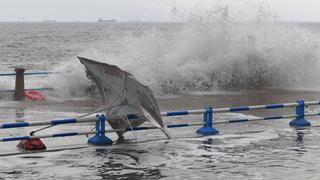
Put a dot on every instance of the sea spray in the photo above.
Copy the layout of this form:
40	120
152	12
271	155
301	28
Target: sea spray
207	57
210	53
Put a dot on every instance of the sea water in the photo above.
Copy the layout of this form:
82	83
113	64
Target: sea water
188	66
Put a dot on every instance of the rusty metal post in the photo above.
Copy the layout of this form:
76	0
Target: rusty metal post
19	89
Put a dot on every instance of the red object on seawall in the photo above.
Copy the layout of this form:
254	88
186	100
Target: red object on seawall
34	95
31	145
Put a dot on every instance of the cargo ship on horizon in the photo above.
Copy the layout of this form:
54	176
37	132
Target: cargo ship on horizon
106	20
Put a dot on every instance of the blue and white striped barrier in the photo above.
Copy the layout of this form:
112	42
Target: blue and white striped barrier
19	138
207	129
265	118
44	123
239	108
58	121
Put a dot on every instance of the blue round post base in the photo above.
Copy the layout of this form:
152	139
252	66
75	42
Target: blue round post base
207	131
100	140
299	122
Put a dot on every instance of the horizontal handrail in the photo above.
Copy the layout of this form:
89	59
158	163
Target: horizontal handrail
237	109
184	112
60	121
29	73
265	118
19	138
52	122
173	113
39	89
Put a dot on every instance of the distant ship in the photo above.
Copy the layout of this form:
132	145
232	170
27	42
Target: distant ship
49	21
106	20
134	21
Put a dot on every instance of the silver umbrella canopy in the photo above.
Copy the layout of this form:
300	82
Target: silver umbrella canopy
124	97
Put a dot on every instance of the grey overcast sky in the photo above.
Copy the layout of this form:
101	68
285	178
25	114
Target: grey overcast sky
149	10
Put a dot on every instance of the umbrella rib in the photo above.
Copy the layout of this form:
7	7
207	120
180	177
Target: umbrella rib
103	91
124	88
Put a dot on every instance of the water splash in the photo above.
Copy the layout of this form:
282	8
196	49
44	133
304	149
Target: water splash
210	52
210	56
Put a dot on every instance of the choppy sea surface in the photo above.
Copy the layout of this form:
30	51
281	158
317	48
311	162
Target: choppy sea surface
188	66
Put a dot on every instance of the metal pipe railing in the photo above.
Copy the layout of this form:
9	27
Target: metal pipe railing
38	89
237	109
172	113
207	129
19	138
29	73
44	123
265	118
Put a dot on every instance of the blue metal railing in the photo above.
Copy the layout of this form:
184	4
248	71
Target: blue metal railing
207	128
39	89
239	108
66	134
29	73
178	113
44	123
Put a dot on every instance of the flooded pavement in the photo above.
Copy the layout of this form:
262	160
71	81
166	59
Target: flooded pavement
253	150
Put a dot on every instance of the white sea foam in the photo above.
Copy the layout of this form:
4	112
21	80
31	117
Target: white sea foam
206	53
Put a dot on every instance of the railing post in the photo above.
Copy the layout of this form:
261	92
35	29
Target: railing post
100	139
300	120
207	128
19	88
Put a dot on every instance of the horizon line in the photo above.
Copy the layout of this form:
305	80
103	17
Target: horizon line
135	21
